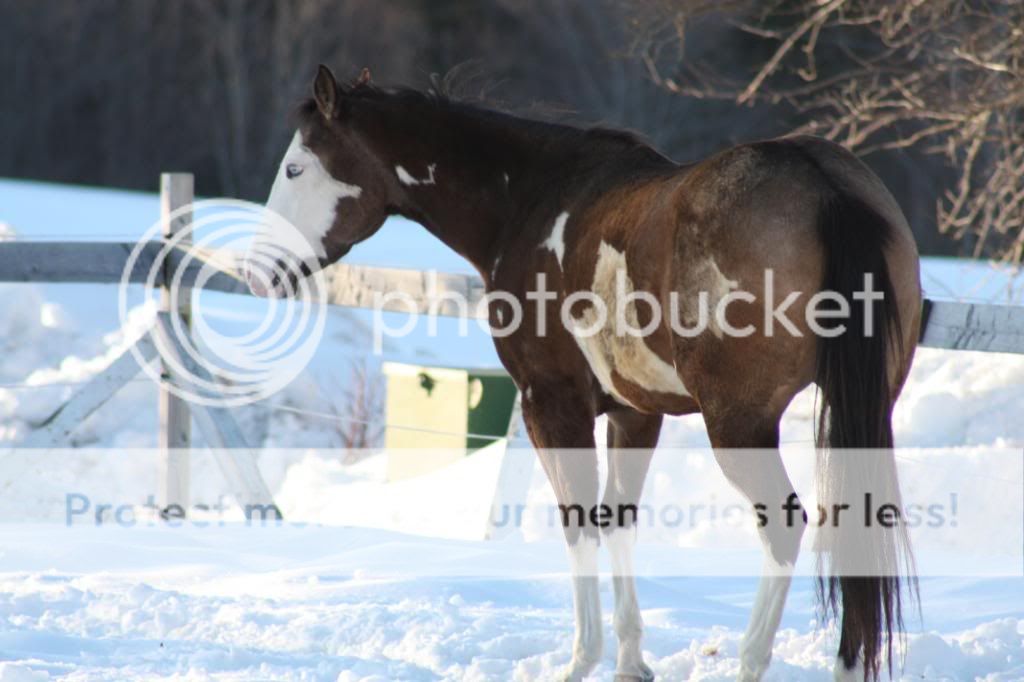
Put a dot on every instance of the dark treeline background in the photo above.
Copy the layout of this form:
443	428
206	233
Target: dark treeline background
112	92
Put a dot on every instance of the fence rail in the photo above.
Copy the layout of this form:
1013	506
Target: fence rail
952	325
356	286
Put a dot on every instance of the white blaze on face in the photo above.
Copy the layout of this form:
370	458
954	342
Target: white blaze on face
306	197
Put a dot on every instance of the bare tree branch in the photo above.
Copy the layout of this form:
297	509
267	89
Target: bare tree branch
945	77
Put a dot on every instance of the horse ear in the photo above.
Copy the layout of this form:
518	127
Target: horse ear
325	92
364	77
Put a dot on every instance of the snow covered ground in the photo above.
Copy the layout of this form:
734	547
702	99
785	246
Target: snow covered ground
318	604
387	582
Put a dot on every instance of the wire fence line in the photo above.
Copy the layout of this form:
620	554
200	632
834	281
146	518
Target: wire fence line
275	408
380	423
384	424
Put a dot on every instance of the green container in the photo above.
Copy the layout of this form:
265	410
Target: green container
449	413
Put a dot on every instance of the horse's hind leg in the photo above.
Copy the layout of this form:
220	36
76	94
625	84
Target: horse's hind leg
746	447
562	430
631	440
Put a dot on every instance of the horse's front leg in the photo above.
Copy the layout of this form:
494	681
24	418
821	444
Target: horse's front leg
631	440
562	429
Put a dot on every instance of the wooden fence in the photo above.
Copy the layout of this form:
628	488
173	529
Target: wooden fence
949	325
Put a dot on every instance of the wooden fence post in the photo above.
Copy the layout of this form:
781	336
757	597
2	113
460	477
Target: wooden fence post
176	191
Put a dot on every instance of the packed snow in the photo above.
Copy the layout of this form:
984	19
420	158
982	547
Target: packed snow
371	580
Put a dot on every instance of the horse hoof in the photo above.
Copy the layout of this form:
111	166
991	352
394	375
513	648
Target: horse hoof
645	674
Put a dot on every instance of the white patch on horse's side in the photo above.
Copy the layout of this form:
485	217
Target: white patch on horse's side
506	179
705	275
500	315
494	269
556	240
308	201
407	179
626	354
599	362
528	393
719	285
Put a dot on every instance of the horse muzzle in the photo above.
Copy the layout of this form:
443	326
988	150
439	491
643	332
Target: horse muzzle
277	279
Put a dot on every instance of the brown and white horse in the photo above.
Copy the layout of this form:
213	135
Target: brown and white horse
599	212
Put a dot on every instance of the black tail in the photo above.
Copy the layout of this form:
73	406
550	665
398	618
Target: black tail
853	371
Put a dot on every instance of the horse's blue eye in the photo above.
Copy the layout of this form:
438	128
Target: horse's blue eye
293	171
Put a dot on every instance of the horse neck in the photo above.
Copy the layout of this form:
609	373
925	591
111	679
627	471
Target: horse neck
468	176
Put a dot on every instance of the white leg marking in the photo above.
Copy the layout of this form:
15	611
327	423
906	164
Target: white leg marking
556	240
627	620
407	179
587	644
756	648
627	354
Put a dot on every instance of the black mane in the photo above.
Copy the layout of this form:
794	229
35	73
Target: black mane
439	98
